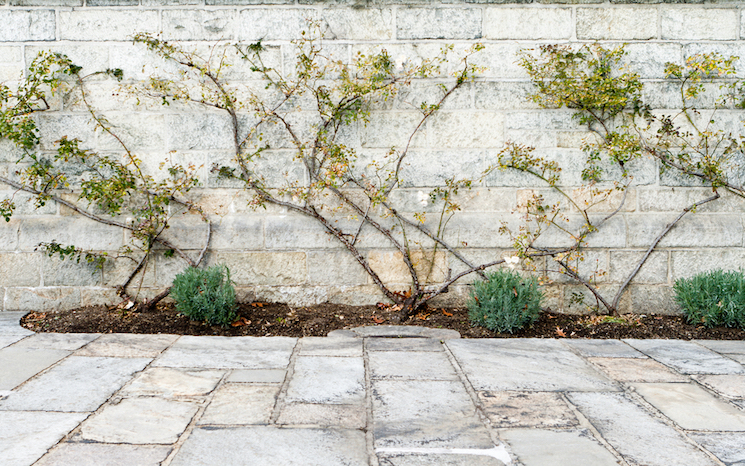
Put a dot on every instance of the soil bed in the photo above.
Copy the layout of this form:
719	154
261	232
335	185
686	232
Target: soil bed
270	319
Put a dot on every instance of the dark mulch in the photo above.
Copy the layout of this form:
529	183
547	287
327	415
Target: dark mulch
270	319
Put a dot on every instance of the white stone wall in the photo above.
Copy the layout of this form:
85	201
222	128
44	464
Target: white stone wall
279	256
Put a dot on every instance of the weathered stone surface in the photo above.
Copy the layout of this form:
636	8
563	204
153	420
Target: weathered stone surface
329	380
429	168
266	24
66	231
334	268
92	454
272	445
535	447
320	346
724	445
461	458
403	344
405	365
724	346
338	416
438	23
7	340
140	421
403	331
10	324
57	341
687	357
20	364
528	23
25	436
708	24
198	25
443	418
76	384
692	407
43	299
97	25
702	230
167	382
127	345
654	270
199	131
27	25
603	348
526	409
228	353
468	130
359	24
731	386
18	269
637	370
257	376
617	23
391	268
535	365
241	404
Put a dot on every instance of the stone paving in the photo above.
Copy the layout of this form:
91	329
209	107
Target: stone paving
368	397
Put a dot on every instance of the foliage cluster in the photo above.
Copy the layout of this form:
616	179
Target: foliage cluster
505	301
713	298
205	295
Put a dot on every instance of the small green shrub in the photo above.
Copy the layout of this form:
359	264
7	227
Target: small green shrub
205	294
713	298
505	302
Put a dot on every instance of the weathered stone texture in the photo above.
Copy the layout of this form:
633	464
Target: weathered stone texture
706	24
103	25
439	23
617	23
27	25
528	23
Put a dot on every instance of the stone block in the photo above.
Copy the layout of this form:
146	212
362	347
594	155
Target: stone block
200	131
427	93
409	365
433	168
704	24
262	376
603	348
272	24
446	459
697	230
241	404
359	23
499	59
99	237
106	25
265	268
196	24
91	56
125	345
687	357
467	130
10	72
403	344
728	347
637	370
57	341
726	446
296	232
10	54
112	2
26	436
438	23
685	264
27	25
251	2
730	386
526	409
228	353
138	131
20	269
19	363
334	268
70	272
391	268
44	299
335	416
500	95
90	454
389	129
52	127
528	23
545	447
237	233
649	59
617	23
654	270
327	380
651	299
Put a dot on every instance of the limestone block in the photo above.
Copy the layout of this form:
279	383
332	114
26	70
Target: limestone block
250	2
9	235
10	72
334	268
138	131
241	404
20	269
53	126
28	435
205	131
44	299
116	272
499	59
359	23
433	168
677	199
438	23
413	54
594	267
198	24
66	231
391	268
480	230
10	54
137	63
112	3
685	264
105	25
534	446
649	59
291	232
697	230
390	129
90	454
272	24
617	23
654	270
704	24
95	296
27	25
420	93
278	169
91	56
528	23
264	268
499	95
70	272
726	49
467	130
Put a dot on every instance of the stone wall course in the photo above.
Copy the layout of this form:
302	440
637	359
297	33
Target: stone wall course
617	23
706	24
439	23
106	24
528	23
27	25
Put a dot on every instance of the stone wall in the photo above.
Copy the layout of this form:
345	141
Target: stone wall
276	255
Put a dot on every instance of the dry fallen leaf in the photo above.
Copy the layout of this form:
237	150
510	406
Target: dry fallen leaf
241	322
422	316
378	320
449	314
258	304
560	332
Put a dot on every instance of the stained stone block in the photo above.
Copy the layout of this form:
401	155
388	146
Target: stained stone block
337	416
272	24
687	357
93	454
705	24
438	23
724	445
616	23
241	404
359	23
167	382
461	458
228	353
44	299
526	409
724	346
528	23
731	386
57	341
467	130
26	436
549	448
327	380
98	25
20	269
698	231
405	365
637	370
198	24
126	345
27	25
200	131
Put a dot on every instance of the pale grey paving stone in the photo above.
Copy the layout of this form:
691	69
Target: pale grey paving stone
7	340
339	416
738	357
404	344
330	380
637	370
729	447
127	345
57	341
264	445
526	364
687	357
228	352
241	404
322	346
434	459
75	384
99	454
403	365
258	376
20	364
740	403
405	331
536	447
139	421
724	346
425	413
526	409
26	436
731	386
603	348
170	382
10	323
634	433
692	407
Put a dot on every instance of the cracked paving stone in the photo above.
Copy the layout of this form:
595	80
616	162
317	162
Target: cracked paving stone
526	409
535	447
637	370
687	357
241	404
729	447
169	382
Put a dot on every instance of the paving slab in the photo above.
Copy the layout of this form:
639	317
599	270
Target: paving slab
328	380
321	346
257	376
526	409
729	447
26	436
339	416
603	348
100	454
169	382
687	357
57	341
265	445
140	421
637	370
431	413
435	459
526	364
692	407
403	344
406	365
724	346
10	323
75	384
537	447
228	352
7	340
737	357
731	386
20	364
404	331
126	345
639	437
241	404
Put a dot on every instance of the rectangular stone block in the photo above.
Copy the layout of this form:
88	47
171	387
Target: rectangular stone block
467	130
410	365
499	59
704	24
388	129
327	380
265	268
52	127
617	23
99	237
438	23
649	59
46	3
272	24
70	272
427	93
27	25
654	270
196	24
499	95
533	446
228	353
27	436
528	23
359	23
429	169
9	234
334	268
200	131
100	25
391	268
10	54
294	232
241	404
235	232
687	357
112	2
18	269
45	299
19	364
696	230
139	132
685	264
